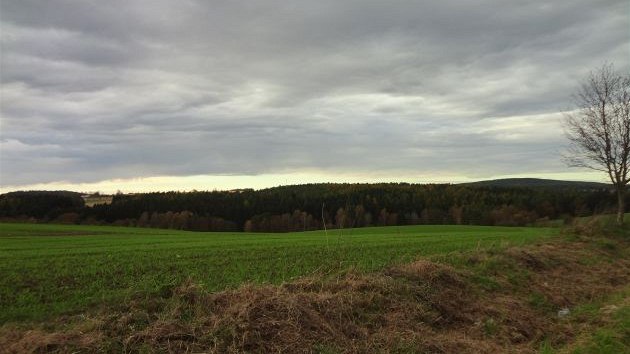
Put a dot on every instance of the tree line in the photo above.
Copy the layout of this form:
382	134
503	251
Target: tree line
313	206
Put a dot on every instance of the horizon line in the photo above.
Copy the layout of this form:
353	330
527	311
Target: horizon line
222	183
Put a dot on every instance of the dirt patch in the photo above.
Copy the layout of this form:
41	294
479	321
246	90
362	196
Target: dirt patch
39	341
422	306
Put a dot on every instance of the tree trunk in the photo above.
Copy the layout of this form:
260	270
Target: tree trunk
621	203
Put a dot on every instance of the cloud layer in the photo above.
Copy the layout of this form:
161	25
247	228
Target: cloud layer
97	90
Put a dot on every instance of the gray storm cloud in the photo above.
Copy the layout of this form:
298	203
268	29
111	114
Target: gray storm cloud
93	90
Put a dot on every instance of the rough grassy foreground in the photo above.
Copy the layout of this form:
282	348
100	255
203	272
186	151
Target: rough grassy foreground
495	300
48	270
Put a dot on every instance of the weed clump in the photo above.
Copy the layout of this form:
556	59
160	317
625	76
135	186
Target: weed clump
601	226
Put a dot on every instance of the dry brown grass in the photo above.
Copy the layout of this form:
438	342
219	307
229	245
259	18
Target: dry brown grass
422	306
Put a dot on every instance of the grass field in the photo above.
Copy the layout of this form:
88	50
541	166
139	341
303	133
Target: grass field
48	270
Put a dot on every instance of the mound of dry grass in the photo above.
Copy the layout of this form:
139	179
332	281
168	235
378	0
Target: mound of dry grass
423	306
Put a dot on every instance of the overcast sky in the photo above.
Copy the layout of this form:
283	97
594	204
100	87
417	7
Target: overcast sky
134	94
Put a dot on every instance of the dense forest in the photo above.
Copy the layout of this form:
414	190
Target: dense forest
309	206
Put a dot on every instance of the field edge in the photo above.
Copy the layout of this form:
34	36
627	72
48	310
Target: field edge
486	301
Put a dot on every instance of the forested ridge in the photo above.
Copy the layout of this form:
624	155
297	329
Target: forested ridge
308	206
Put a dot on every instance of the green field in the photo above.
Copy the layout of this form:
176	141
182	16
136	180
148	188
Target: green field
48	270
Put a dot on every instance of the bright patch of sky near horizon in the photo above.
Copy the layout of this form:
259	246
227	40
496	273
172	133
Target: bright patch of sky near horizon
154	95
206	182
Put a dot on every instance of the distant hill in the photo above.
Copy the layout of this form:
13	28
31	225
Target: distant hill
537	182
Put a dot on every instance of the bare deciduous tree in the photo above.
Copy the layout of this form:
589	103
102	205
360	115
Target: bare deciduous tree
599	129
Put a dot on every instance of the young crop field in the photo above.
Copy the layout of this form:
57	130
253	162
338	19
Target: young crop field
48	270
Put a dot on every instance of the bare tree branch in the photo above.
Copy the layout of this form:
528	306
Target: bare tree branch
599	130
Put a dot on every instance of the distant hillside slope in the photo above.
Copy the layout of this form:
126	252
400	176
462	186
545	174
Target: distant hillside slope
537	182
